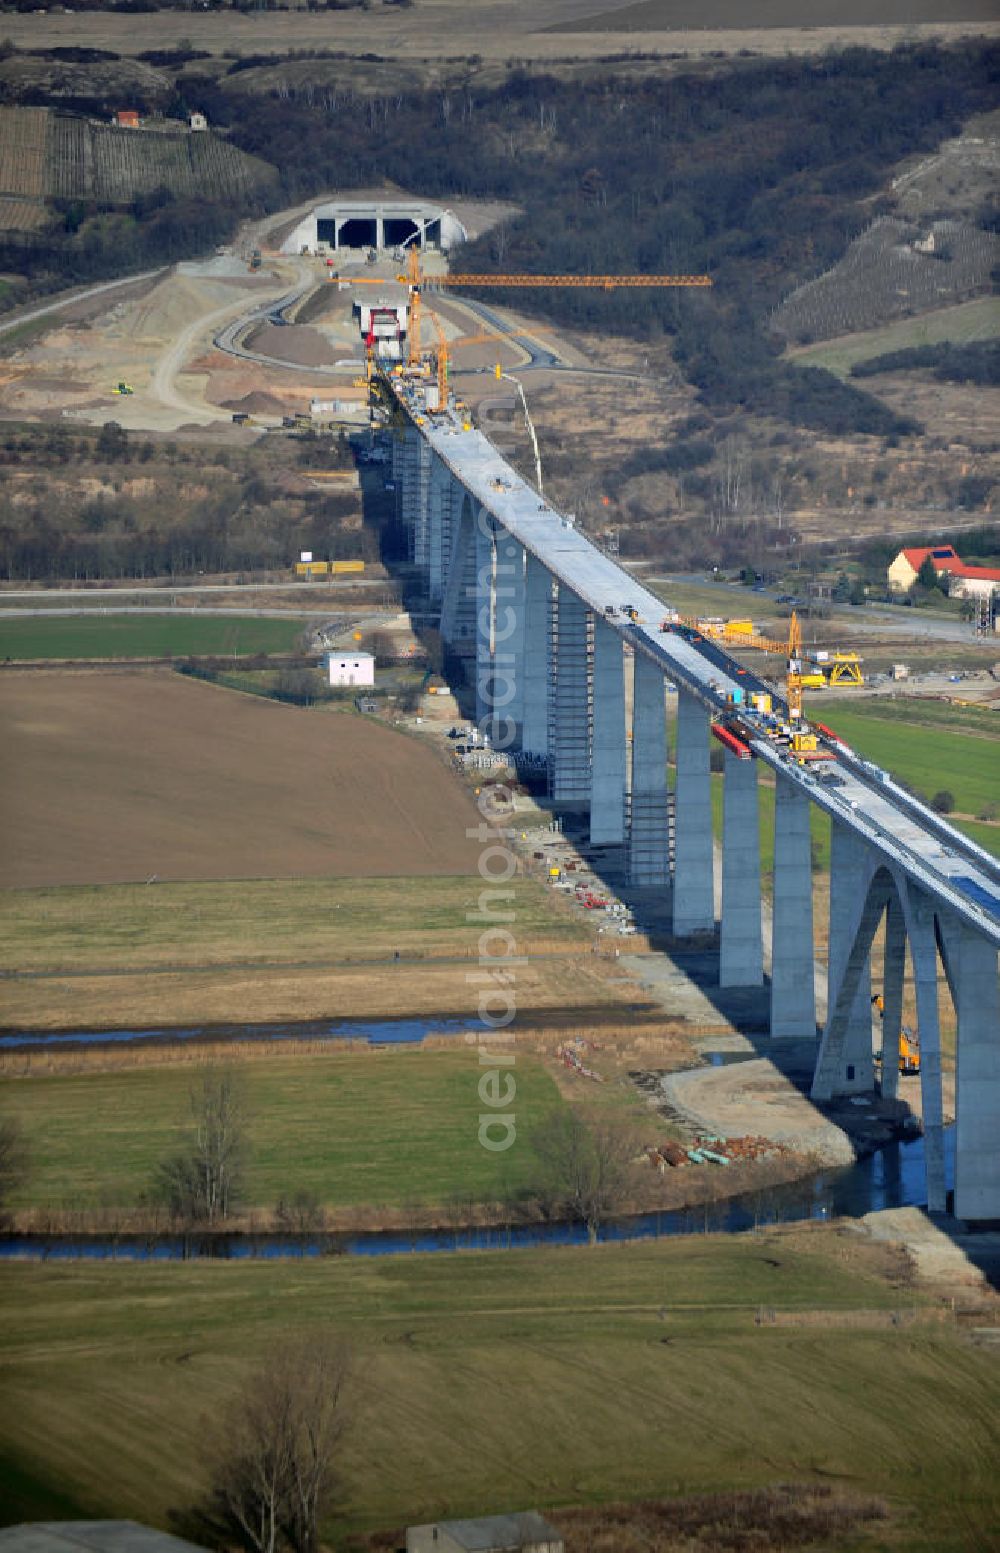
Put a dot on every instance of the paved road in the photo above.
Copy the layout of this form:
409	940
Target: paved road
166	609
178	592
869	619
67	299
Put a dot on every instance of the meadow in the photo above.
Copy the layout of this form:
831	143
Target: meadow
295	922
928	745
491	1381
239	952
926	750
961	324
138	636
385	1129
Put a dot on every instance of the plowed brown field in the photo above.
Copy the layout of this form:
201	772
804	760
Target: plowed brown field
109	778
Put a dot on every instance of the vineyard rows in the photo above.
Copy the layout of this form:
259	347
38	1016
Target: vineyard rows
46	155
70	170
21	215
882	277
118	164
22	152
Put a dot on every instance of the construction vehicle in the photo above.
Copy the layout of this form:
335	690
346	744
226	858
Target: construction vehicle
123	389
909	1043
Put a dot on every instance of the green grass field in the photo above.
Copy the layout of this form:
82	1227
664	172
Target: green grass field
930	755
259	921
929	744
138	636
375	1129
487	1382
978	320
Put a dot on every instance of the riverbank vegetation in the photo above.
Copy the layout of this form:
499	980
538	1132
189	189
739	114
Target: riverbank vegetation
111	1370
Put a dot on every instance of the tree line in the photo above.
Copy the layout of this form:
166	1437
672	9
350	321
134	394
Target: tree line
976	361
759	172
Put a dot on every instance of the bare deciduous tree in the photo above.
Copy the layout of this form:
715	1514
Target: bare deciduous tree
274	1471
201	1182
584	1168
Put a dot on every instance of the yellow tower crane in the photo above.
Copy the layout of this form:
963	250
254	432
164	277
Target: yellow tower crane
442	363
415	280
793	680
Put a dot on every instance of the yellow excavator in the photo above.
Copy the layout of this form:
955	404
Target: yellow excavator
909	1042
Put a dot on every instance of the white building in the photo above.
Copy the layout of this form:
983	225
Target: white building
379	223
350	668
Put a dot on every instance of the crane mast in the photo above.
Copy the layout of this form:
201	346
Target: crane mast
415	281
793	682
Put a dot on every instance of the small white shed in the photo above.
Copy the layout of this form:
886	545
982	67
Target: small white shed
350	668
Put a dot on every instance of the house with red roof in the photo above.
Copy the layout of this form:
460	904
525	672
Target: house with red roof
963	581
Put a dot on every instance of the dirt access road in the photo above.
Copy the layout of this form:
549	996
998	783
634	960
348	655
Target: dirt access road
155	327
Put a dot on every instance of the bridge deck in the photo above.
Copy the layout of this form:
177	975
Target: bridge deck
952	868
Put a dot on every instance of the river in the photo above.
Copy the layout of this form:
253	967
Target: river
891	1178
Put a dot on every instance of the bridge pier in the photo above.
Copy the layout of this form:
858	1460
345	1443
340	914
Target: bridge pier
537	652
459	602
607	792
793	991
741	950
569	733
508	643
485	544
649	832
417	500
973	962
439	536
853	1070
923	949
894	971
694	885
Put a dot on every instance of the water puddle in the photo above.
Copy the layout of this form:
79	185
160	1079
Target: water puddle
376	1032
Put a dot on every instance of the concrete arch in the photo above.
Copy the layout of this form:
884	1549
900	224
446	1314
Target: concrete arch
911	916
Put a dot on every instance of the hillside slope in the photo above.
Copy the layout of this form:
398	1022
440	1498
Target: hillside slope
47	155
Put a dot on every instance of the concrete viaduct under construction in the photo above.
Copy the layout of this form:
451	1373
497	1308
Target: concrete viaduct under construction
547	618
